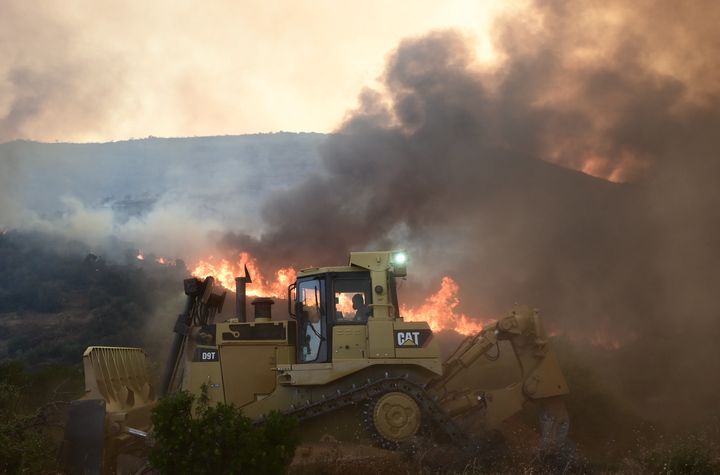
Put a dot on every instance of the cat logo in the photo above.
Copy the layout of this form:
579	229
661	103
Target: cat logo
408	338
411	338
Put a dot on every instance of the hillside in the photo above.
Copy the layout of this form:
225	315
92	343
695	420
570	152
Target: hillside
56	299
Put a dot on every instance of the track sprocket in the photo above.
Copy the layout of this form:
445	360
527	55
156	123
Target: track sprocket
394	419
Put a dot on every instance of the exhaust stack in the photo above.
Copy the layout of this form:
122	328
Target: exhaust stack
241	297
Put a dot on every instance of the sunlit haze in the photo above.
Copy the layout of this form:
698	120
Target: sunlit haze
86	71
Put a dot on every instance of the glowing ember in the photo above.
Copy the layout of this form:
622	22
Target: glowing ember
439	311
605	340
225	272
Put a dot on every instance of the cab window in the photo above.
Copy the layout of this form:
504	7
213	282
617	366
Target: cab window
311	315
352	300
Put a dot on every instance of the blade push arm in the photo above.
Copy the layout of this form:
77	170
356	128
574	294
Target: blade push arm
541	376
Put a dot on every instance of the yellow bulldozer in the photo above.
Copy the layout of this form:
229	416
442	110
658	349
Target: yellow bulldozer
344	363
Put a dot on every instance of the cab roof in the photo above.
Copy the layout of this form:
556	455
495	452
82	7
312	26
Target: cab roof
373	261
325	270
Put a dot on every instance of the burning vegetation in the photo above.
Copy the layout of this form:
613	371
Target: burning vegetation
438	309
579	174
225	271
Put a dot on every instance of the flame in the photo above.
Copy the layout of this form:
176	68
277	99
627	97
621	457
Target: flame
225	272
140	256
162	260
439	312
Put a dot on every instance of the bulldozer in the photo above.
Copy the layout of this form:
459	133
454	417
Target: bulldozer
345	362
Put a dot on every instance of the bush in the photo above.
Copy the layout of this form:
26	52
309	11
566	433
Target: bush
219	439
27	416
24	446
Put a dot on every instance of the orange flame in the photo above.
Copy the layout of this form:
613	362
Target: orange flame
140	257
439	312
225	271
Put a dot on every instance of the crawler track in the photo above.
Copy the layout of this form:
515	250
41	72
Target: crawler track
353	395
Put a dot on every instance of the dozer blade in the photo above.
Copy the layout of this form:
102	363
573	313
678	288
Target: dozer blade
113	416
118	376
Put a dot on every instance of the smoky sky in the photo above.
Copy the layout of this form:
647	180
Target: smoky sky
458	158
85	71
579	175
475	171
51	82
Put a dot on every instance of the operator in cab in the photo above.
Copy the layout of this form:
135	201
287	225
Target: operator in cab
362	311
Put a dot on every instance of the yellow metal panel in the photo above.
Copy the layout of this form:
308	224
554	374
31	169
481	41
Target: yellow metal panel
429	350
503	403
248	371
349	342
375	261
323	373
380	339
381	308
279	400
547	379
210	373
228	334
285	355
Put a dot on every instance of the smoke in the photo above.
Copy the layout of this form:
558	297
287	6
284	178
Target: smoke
578	174
162	196
8	206
478	170
166	229
52	85
86	71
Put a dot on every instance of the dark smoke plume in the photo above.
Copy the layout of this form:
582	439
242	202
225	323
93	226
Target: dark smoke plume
478	171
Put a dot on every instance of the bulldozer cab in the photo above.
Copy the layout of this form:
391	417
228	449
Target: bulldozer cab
347	313
325	302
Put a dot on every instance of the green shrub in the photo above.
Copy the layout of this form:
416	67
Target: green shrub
26	416
219	439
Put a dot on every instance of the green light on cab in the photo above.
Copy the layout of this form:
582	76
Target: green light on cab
400	258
